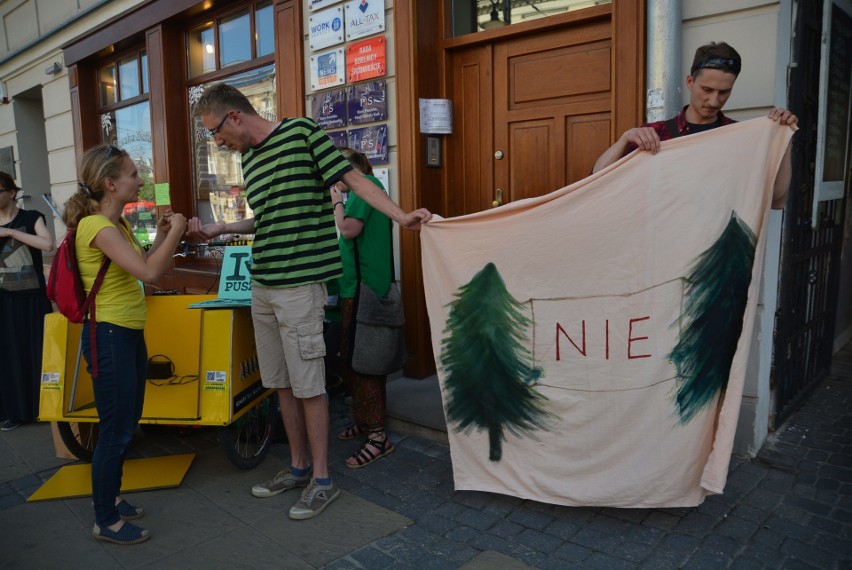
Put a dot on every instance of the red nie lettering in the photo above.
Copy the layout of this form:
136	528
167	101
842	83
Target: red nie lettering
560	329
581	346
631	338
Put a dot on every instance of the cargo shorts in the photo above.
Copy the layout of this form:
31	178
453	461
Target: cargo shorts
288	334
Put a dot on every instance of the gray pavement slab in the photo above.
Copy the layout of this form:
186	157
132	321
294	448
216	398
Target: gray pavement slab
489	560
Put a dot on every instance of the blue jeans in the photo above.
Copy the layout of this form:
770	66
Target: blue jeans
119	396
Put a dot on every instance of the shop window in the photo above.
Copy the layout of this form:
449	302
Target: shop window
218	171
202	51
231	39
125	119
130	82
129	128
123	79
235	40
106	82
144	72
470	16
264	29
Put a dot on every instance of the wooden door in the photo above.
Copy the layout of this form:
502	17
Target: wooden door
531	113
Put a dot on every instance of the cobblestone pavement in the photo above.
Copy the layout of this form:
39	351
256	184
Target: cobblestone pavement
790	507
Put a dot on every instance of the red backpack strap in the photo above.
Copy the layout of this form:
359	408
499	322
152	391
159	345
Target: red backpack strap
89	309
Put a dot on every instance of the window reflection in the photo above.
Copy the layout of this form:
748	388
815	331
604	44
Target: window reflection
144	72
106	84
201	52
235	40
264	29
218	171
128	75
478	15
129	128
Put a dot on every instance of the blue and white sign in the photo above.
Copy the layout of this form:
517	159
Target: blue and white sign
364	18
326	28
328	69
317	4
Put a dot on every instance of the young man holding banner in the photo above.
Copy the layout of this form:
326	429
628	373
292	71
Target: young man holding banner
711	79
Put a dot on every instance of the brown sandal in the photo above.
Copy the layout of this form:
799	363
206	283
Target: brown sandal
351	432
365	455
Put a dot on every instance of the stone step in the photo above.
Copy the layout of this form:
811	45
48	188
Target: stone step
414	407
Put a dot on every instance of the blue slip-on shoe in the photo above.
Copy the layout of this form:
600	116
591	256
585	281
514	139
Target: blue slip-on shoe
128	534
128	512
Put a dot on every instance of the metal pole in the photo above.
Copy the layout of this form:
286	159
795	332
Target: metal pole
73	395
664	69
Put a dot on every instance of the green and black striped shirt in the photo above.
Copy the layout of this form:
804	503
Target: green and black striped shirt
287	178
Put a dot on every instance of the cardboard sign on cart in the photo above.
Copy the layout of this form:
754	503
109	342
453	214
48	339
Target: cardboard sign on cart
234	280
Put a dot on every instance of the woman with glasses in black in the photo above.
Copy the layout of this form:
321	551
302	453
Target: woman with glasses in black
23	305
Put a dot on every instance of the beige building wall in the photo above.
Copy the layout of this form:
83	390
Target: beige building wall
31	35
752	28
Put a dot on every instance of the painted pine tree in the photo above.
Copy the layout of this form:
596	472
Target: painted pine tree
712	318
489	375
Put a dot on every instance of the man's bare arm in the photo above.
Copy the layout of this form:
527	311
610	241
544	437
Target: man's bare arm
645	138
785	172
376	198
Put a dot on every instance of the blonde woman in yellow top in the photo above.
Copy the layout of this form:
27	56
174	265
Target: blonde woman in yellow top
110	180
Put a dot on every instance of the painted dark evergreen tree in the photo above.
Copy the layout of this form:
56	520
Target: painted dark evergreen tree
489	374
712	318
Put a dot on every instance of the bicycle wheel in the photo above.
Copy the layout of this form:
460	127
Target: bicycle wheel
79	438
246	441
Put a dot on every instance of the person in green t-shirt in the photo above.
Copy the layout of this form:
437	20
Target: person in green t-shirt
361	224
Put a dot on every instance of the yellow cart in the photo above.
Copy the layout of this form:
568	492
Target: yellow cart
212	378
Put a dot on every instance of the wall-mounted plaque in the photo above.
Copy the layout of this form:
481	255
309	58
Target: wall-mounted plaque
327	69
367	102
317	4
364	18
329	109
436	116
366	59
325	28
339	138
372	141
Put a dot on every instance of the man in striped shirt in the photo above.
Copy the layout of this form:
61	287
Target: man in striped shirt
288	168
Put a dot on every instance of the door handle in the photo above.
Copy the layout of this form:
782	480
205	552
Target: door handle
498	195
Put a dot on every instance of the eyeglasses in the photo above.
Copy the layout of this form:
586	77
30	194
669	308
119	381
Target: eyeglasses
112	151
215	131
